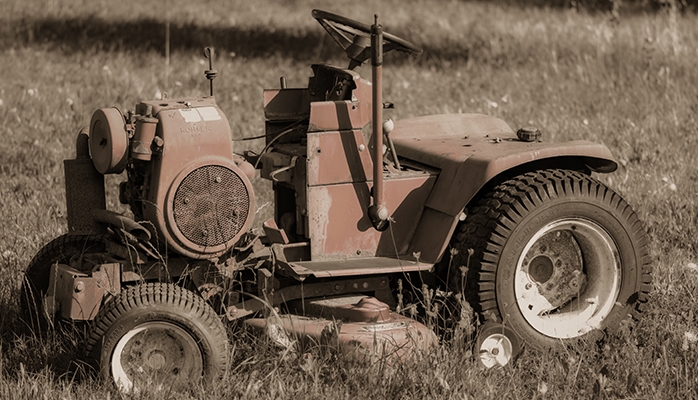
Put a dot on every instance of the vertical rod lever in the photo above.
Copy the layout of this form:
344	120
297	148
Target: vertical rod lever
377	212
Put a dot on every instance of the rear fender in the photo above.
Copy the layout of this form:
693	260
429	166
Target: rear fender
472	150
455	187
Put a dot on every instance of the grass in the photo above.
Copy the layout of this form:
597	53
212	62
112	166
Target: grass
628	83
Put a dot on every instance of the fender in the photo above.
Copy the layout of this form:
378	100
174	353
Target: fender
470	150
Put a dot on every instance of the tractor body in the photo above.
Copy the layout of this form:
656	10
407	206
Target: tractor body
361	209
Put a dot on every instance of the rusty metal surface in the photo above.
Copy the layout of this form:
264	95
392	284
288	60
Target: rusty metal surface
193	212
341	229
327	77
84	193
357	308
270	294
211	205
196	138
143	138
108	277
390	335
356	266
338	115
108	140
72	294
121	221
338	157
433	234
554	265
273	233
471	149
286	104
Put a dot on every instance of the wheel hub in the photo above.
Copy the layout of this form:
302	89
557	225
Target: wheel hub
496	345
554	266
567	278
496	350
158	353
156	360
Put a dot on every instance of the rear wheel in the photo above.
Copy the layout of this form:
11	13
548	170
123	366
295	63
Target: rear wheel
556	255
159	336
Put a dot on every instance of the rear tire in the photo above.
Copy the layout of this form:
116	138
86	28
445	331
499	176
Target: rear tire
556	256
159	336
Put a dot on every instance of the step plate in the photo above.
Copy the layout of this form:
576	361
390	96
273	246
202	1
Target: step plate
353	267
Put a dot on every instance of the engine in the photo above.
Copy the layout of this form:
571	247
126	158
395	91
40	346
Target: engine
185	184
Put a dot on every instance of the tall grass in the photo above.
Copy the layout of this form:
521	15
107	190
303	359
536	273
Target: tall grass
627	81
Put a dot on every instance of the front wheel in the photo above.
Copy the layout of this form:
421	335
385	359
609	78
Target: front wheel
160	336
556	255
35	285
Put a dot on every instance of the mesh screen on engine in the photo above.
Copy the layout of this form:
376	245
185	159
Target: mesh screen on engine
211	205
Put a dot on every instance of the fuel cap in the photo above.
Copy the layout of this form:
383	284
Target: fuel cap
528	134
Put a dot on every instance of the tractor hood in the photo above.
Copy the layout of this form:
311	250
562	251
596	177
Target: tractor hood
471	149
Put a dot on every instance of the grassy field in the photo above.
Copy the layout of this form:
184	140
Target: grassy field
628	82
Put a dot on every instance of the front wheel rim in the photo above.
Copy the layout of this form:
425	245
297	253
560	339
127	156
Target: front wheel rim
156	353
496	350
568	278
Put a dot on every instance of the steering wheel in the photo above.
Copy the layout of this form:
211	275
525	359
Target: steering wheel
355	38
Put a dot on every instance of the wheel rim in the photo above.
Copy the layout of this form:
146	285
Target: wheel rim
568	278
156	353
495	350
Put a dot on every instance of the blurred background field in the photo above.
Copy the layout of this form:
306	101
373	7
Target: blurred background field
620	73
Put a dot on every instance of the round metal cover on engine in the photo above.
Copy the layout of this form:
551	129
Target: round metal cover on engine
211	205
108	141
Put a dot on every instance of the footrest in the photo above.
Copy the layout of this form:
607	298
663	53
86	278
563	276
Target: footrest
358	266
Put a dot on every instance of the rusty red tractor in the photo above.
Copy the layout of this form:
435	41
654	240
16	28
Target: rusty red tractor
370	217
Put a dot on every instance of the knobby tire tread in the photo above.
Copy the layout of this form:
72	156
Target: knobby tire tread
149	294
499	212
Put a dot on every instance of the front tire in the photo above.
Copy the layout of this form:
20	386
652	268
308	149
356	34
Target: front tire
158	335
35	284
556	256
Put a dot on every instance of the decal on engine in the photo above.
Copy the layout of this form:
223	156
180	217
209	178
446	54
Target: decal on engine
190	115
209	113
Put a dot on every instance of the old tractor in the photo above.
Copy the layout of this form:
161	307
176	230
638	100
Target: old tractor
371	217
